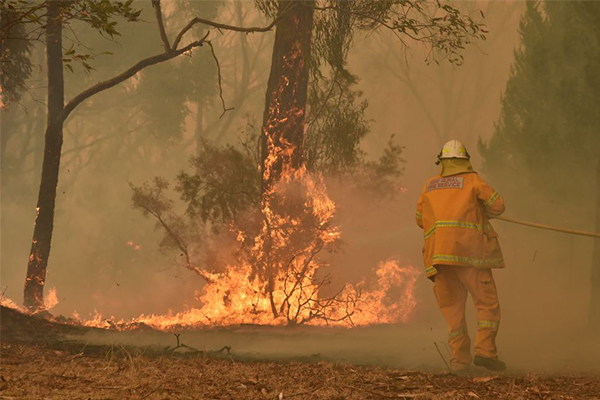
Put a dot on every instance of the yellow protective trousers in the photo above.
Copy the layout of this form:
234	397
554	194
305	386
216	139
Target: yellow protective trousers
451	287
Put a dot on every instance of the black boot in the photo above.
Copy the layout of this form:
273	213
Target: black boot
493	364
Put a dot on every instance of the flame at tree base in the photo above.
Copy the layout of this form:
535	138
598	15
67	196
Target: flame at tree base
296	225
50	301
277	280
235	299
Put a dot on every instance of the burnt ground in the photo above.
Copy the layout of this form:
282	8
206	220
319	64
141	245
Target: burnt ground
41	360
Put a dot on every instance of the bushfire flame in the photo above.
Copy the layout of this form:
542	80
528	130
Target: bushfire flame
240	295
50	301
278	280
235	299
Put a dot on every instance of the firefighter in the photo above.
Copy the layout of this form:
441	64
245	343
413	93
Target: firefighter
461	249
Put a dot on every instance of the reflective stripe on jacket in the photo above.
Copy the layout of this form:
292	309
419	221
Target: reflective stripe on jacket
453	212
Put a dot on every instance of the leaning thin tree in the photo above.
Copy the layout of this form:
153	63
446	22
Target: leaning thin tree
56	14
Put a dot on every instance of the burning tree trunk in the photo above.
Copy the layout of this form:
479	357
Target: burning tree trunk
595	278
285	109
44	222
283	121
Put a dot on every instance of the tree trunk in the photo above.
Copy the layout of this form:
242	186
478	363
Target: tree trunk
44	222
7	130
284	117
285	105
199	132
595	278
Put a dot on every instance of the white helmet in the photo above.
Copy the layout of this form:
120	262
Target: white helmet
453	149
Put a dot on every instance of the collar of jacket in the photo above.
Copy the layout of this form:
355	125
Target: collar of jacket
453	166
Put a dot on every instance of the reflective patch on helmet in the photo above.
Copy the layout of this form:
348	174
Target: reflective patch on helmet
450	182
461	152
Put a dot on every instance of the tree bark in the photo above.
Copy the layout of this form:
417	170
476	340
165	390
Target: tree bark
595	277
44	222
284	116
282	133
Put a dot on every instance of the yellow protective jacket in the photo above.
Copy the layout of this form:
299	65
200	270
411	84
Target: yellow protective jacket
453	212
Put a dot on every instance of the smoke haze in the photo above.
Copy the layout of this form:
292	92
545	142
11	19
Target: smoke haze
105	255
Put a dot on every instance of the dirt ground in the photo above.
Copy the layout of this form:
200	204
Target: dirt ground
35	372
37	363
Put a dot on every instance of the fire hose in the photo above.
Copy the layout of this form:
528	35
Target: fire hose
548	227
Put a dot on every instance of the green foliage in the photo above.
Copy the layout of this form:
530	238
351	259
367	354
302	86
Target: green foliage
150	199
15	53
336	127
380	178
25	17
336	123
333	31
225	182
27	22
548	136
71	55
100	14
438	25
391	163
442	28
268	7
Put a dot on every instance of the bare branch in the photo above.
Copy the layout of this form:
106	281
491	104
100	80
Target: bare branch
227	27
161	25
212	51
170	53
109	83
177	239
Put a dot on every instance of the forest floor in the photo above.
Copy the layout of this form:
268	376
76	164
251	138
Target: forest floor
37	362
